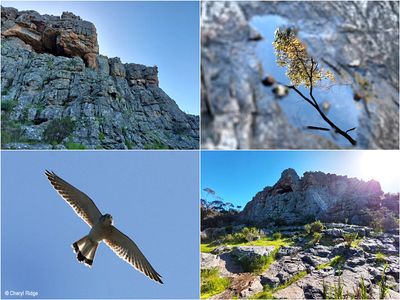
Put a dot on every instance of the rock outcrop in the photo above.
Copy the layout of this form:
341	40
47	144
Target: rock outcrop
357	40
58	91
328	197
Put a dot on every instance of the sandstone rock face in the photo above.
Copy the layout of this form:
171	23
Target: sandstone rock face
67	35
351	38
53	77
316	195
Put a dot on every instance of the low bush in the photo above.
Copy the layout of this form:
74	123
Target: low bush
58	129
380	258
317	237
212	283
277	235
350	238
75	146
257	264
316	226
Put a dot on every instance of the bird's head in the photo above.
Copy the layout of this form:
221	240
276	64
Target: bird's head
107	219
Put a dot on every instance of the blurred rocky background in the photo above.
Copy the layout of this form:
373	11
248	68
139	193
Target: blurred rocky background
358	41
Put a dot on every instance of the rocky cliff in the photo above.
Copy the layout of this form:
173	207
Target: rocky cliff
59	92
357	40
327	197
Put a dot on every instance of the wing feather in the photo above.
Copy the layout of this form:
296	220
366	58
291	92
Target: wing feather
126	249
79	201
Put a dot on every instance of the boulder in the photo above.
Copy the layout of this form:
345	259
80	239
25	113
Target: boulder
252	252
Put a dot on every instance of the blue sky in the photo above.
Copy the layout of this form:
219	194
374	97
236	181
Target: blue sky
237	176
165	34
153	197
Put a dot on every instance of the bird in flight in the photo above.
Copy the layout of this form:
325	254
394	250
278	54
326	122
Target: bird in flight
102	229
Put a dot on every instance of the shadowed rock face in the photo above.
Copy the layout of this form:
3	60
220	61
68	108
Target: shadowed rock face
316	195
357	40
52	75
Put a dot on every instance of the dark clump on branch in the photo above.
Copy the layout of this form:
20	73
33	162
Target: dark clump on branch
268	81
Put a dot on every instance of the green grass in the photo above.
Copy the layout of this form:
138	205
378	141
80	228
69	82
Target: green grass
356	243
380	258
268	292
157	145
206	248
74	146
212	283
259	264
335	262
8	105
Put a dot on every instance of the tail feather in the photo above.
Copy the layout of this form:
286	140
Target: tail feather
85	250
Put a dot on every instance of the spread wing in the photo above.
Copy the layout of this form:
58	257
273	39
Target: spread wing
126	249
80	202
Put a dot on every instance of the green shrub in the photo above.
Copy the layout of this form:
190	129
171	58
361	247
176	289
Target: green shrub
58	129
257	264
333	292
247	234
157	145
350	238
380	258
11	131
383	287
101	136
251	234
317	237
75	146
277	235
212	283
8	105
316	226
362	292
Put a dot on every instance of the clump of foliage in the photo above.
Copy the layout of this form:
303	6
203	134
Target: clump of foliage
257	264
383	287
75	146
336	262
333	292
156	145
8	105
247	234
277	235
292	54
58	129
361	292
316	226
101	136
350	238
11	131
380	258
212	283
316	237
302	69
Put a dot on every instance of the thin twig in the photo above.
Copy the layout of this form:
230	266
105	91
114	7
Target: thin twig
318	128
